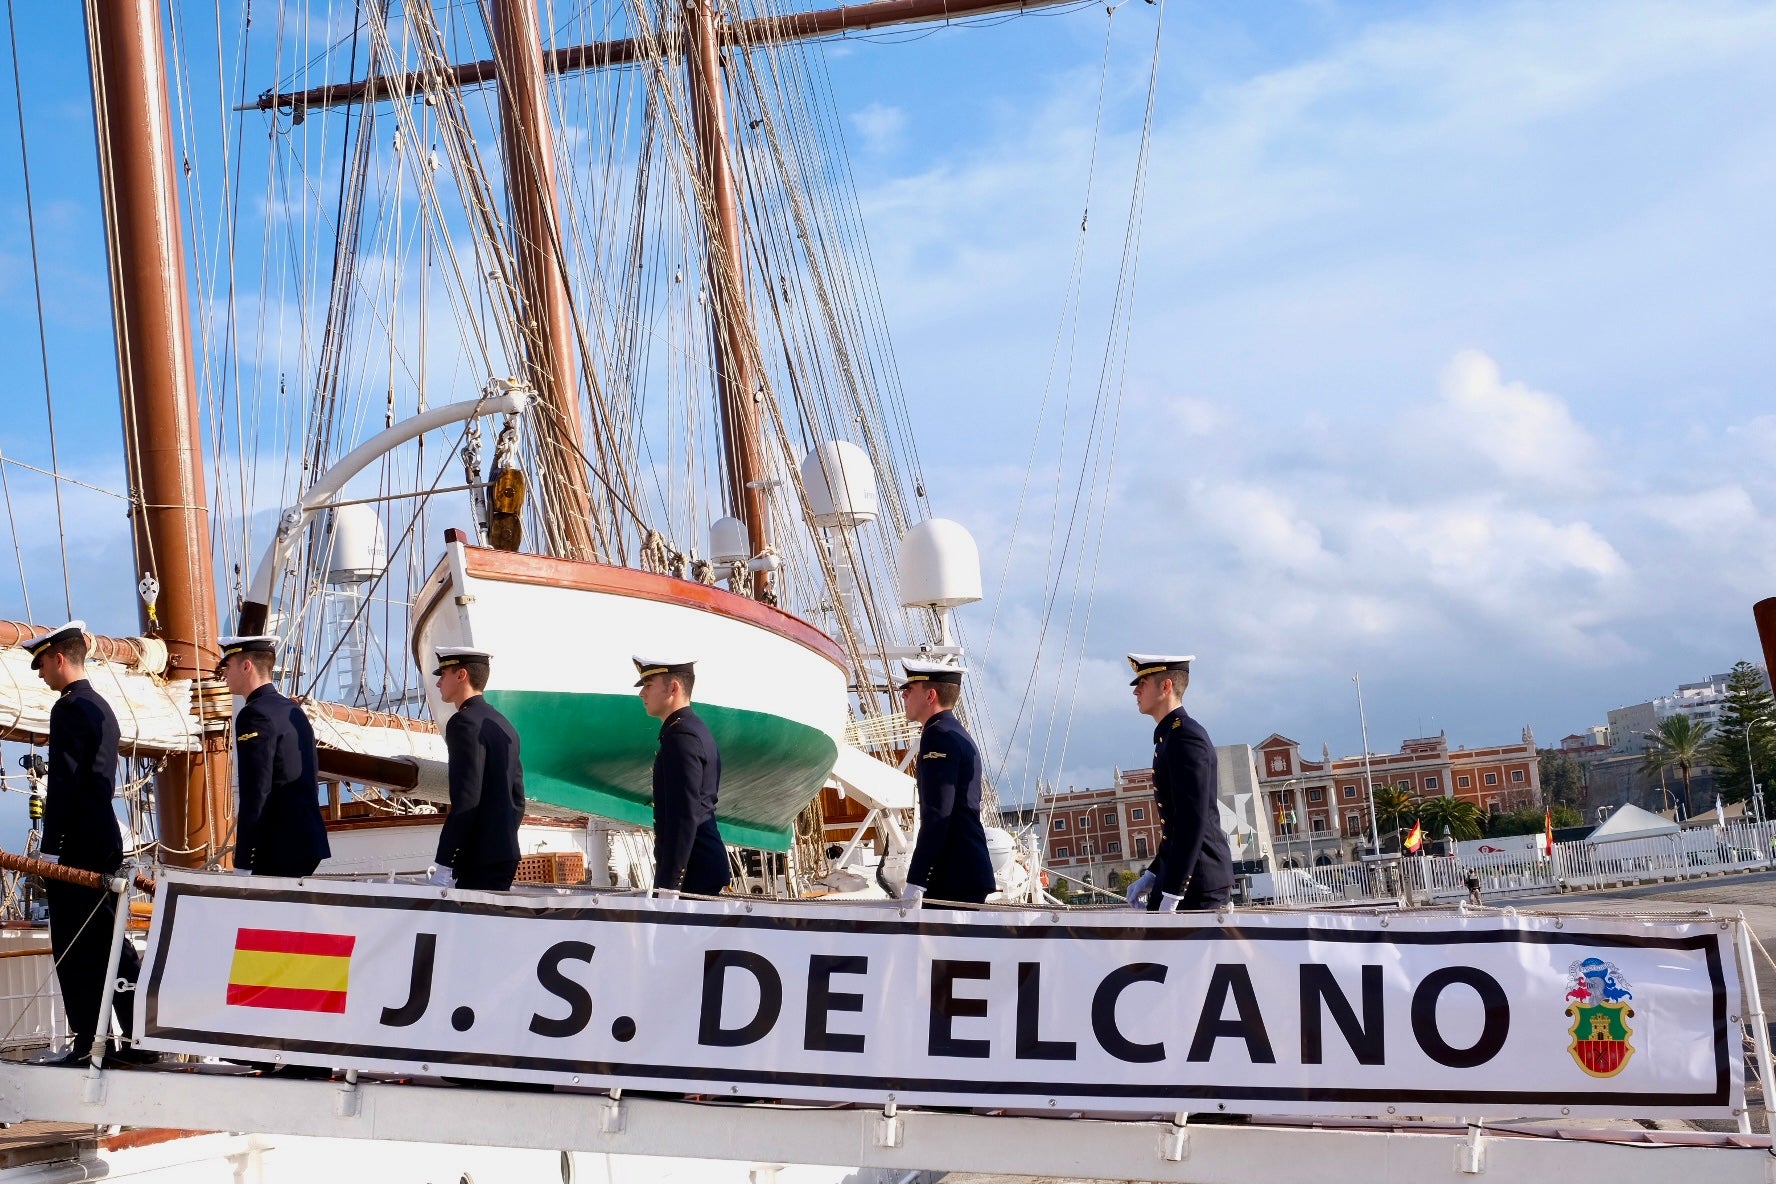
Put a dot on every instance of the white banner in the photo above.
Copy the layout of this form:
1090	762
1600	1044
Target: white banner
1265	1013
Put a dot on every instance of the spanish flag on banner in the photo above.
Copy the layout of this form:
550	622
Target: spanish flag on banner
290	971
1416	837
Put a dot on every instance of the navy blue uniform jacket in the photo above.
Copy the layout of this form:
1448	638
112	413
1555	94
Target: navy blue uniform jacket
486	789
688	851
78	825
950	859
279	831
1193	850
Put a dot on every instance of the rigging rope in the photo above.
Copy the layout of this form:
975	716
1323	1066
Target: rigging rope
18	92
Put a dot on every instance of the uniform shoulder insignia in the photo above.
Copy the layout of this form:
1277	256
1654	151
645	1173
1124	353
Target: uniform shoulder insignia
247	736
1177	723
934	756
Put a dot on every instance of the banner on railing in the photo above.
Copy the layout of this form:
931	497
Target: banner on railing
1267	1013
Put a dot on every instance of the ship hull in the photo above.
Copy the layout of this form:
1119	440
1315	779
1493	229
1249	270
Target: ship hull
772	688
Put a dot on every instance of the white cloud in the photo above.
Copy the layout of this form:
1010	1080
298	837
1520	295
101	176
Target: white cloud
881	126
1526	435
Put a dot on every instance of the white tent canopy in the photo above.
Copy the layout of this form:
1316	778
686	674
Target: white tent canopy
1631	822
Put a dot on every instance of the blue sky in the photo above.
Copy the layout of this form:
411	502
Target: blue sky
1449	363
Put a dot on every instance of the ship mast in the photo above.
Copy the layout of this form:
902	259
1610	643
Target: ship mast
170	522
519	67
735	381
545	318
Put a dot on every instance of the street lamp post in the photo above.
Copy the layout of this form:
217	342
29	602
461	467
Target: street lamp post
1751	777
1301	796
1301	817
1368	779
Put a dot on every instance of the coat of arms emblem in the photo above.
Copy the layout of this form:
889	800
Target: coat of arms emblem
1600	1004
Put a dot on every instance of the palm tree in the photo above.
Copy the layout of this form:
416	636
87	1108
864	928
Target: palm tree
1393	808
1459	816
1680	743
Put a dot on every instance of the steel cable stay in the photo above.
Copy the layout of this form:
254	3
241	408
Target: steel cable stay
1070	315
18	93
1115	368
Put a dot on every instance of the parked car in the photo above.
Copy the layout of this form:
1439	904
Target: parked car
1289	885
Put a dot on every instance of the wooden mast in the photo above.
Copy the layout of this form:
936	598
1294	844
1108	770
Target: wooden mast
162	448
736	382
545	318
521	75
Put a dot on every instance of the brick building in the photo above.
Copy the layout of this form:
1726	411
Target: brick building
1323	804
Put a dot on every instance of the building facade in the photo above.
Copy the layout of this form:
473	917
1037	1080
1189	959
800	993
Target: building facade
1320	809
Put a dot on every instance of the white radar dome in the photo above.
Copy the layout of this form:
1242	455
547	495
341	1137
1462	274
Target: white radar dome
357	549
728	542
841	484
939	565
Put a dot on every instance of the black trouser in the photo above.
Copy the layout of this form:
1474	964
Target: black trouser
1194	901
947	896
292	871
80	924
487	877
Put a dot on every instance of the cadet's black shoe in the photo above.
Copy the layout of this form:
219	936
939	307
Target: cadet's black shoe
128	1057
299	1072
72	1059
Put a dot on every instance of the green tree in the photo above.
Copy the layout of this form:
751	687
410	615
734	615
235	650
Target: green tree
1749	713
1463	818
1530	821
1679	743
1562	780
1394	809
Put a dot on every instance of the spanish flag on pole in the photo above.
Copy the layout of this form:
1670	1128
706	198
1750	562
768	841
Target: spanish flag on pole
290	971
1416	837
1548	833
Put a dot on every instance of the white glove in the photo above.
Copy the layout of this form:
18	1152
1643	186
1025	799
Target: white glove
440	876
665	894
912	896
241	871
1137	893
1169	903
50	858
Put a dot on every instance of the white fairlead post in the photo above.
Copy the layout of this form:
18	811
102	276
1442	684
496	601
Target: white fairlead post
511	399
119	888
1753	1004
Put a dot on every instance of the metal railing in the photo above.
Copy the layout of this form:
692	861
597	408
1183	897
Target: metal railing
30	1001
1434	879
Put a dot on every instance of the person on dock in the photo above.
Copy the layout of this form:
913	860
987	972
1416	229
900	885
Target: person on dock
688	851
1194	868
478	847
278	827
80	831
950	860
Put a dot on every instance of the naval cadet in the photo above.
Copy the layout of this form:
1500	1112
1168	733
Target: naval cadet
688	851
278	828
1194	869
80	831
950	860
478	847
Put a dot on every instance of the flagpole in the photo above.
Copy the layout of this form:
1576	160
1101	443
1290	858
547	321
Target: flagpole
1368	778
